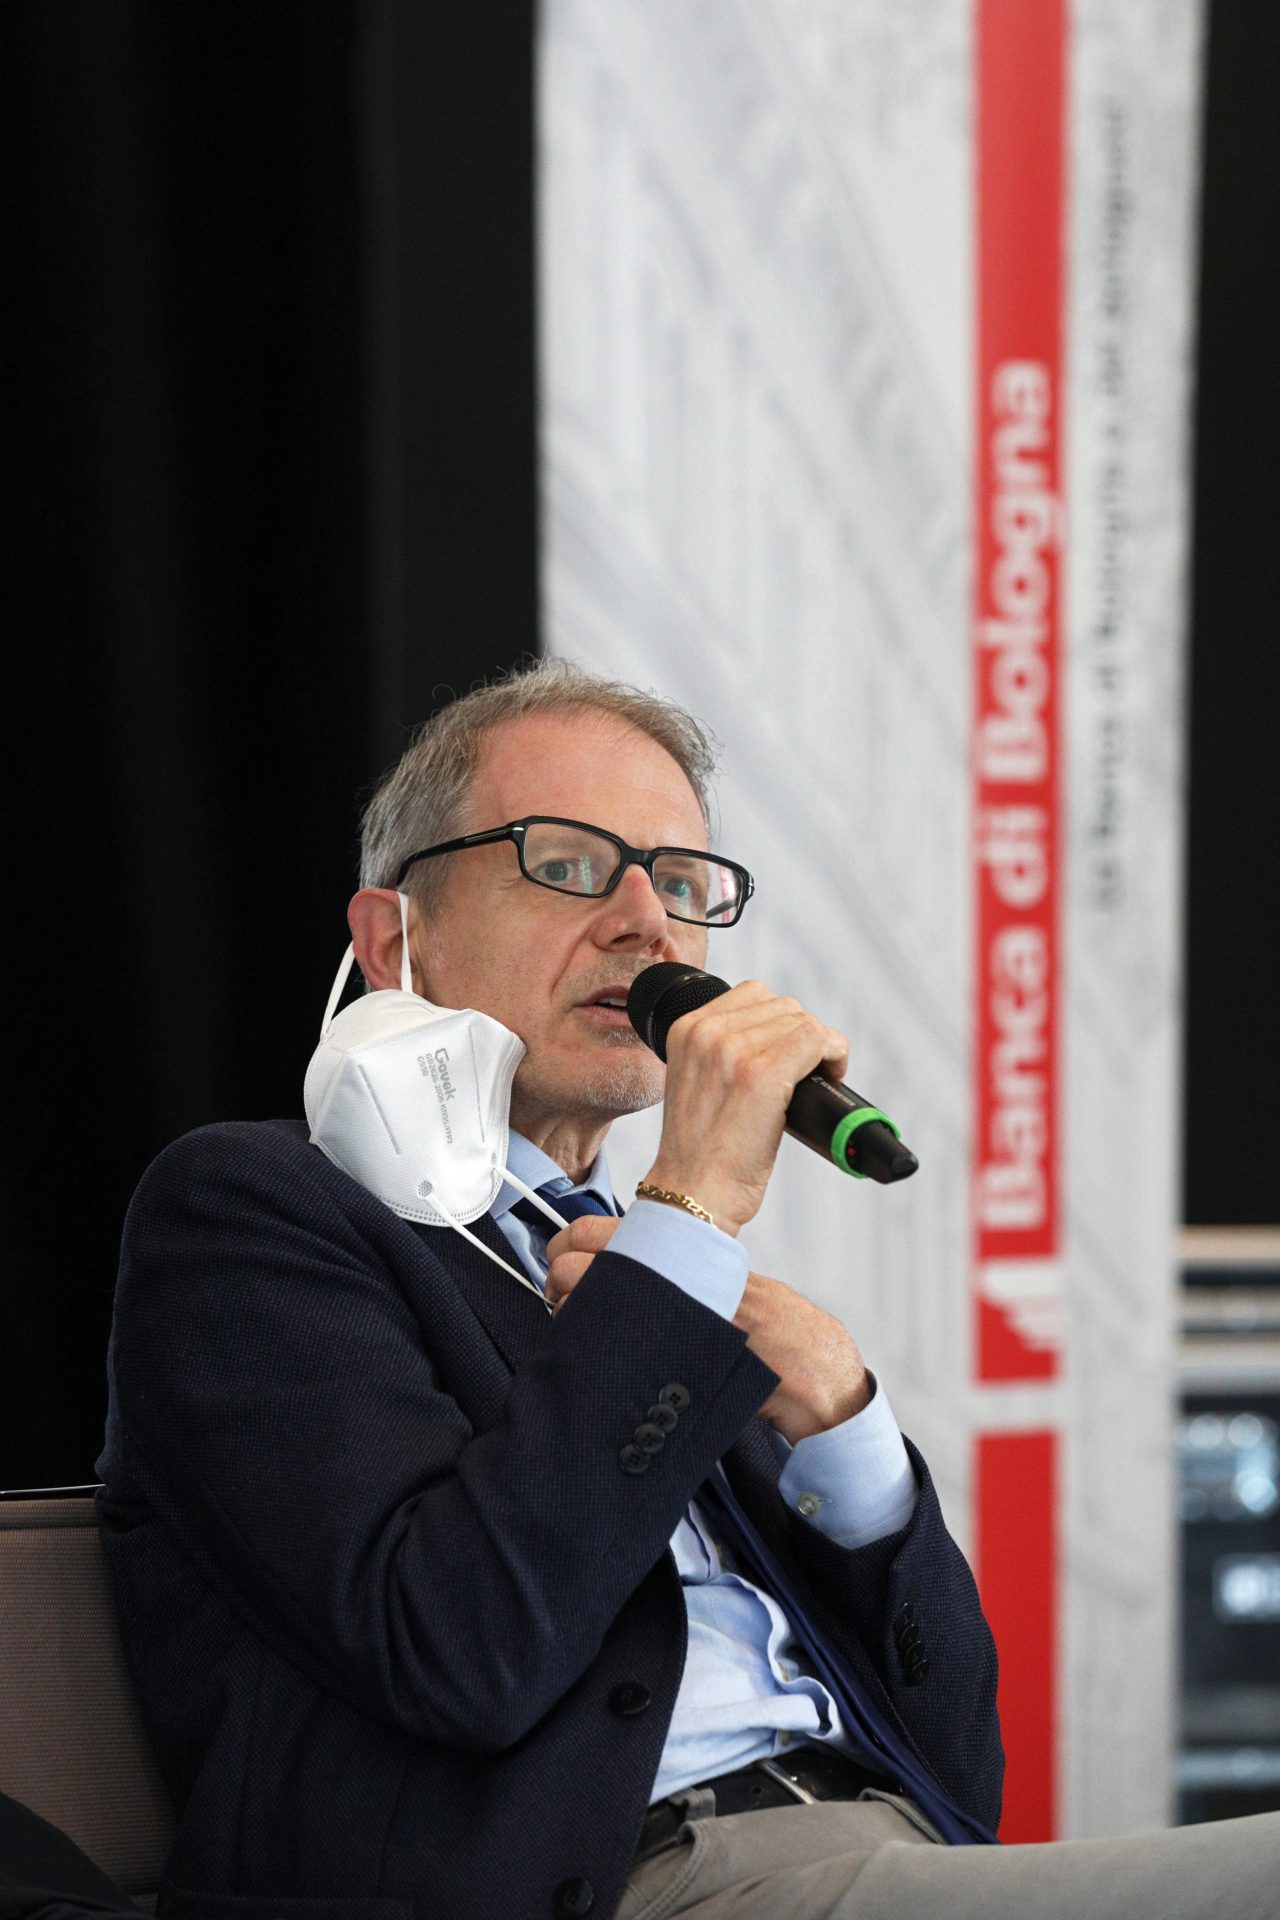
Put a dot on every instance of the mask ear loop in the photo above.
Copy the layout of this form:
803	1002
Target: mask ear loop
488	1251
543	1206
406	971
348	961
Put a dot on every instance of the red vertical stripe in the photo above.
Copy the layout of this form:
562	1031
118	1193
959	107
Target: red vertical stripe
1020	64
1017	1569
1016	656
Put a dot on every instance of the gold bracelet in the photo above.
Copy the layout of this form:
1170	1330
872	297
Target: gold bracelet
646	1191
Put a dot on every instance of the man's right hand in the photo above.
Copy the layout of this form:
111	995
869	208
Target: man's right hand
732	1067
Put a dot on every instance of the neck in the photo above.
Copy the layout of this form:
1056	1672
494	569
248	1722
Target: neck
574	1145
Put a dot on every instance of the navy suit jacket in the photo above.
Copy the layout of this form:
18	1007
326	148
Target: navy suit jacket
406	1636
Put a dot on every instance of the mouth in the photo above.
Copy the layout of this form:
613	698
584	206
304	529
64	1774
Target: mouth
607	1008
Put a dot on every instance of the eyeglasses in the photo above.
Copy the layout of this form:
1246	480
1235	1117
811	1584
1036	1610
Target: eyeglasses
568	856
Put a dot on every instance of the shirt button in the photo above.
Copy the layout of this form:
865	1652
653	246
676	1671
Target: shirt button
784	1739
808	1504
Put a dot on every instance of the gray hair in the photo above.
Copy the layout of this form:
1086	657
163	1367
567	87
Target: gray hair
423	799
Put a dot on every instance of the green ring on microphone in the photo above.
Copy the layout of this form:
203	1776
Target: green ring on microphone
849	1125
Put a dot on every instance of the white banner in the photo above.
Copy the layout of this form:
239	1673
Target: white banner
760	318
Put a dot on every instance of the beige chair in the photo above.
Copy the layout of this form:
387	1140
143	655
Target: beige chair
72	1744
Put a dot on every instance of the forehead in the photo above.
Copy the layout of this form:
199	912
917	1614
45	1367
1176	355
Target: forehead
585	766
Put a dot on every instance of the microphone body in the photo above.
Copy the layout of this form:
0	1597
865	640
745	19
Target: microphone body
841	1125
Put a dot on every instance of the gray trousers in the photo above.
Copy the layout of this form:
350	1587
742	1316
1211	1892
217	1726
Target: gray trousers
869	1860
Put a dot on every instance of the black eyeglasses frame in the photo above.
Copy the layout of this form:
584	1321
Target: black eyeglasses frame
515	831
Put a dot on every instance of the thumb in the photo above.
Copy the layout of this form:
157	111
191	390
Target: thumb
588	1234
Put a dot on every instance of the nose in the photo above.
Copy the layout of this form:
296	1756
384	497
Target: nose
632	917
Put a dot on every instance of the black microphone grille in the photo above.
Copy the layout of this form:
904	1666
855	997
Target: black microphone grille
662	993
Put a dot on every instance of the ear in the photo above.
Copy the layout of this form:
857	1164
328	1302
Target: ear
374	920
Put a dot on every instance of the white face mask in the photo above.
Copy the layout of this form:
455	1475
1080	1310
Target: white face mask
413	1101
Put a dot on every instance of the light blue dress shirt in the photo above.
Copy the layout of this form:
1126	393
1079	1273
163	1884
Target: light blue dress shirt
745	1694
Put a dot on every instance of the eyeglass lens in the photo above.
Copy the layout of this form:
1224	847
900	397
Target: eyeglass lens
691	886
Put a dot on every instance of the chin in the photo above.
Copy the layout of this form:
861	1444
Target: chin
621	1085
617	1081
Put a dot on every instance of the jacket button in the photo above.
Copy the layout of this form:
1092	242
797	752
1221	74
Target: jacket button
649	1438
917	1670
908	1641
629	1698
905	1621
676	1396
631	1460
574	1896
663	1416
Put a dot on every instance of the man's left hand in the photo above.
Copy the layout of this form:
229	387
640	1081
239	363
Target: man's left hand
821	1379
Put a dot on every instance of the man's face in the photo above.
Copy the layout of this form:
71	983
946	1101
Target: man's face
536	960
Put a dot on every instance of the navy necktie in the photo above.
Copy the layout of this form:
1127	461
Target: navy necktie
878	1744
571	1206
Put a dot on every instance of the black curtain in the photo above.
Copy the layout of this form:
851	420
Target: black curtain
272	500
1232	1140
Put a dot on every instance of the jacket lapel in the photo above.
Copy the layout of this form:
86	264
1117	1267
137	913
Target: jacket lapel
514	1319
753	1470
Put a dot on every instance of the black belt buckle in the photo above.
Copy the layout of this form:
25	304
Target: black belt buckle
791	1780
814	1773
808	1775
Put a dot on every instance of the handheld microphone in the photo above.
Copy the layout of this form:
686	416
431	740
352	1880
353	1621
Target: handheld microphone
826	1115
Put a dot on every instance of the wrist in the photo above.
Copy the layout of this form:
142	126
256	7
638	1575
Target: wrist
698	1197
800	1419
669	1197
845	1401
855	1397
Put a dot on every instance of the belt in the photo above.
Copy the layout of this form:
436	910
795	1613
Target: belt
805	1775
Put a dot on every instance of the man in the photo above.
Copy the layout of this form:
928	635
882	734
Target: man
433	1598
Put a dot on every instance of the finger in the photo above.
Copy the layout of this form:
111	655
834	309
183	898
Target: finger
564	1273
758	1030
726	1042
731	1014
588	1233
723	1022
836	1058
794	1050
733	1008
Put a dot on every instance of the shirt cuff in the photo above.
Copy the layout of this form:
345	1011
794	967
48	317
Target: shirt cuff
703	1262
854	1482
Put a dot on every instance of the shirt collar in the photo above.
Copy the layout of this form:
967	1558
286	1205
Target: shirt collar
535	1168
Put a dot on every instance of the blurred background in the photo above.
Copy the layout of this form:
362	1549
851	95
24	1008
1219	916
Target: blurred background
361	351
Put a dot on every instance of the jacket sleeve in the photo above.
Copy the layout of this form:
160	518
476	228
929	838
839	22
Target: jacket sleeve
276	1407
907	1598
